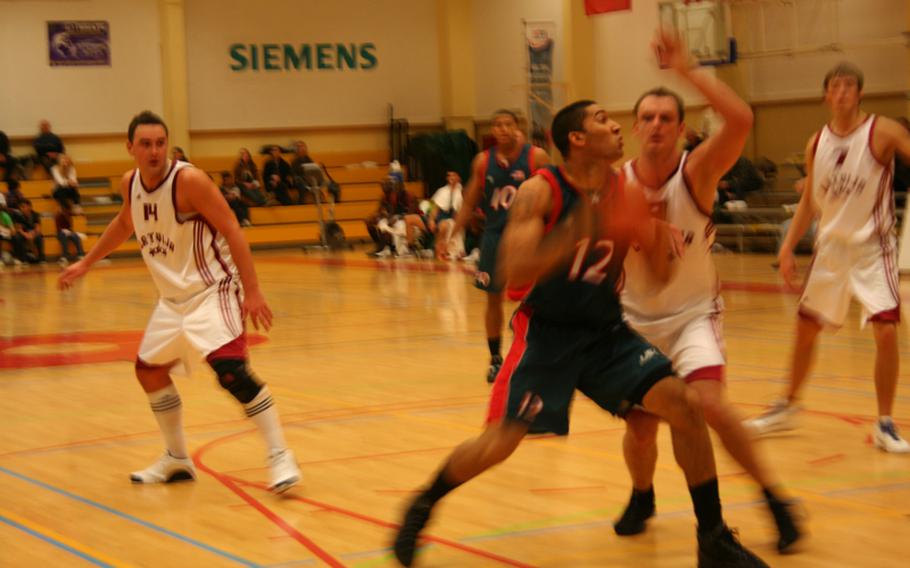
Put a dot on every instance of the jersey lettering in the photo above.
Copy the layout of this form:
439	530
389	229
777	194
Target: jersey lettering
150	210
503	197
597	272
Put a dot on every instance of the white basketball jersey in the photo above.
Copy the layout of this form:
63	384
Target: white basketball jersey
851	189
693	287
184	255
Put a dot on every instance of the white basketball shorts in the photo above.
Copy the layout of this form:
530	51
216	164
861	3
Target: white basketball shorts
181	333
867	272
693	342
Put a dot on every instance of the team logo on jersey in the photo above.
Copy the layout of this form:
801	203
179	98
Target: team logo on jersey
150	210
649	354
482	278
491	180
518	175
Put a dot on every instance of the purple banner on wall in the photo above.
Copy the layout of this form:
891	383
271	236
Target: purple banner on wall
79	43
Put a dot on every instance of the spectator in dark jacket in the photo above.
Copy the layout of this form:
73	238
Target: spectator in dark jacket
28	242
387	226
8	163
276	173
742	178
48	146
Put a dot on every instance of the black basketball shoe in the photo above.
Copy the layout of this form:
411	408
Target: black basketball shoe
785	519
719	548
637	513
415	518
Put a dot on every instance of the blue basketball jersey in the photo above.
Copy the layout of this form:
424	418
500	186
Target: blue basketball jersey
501	183
587	292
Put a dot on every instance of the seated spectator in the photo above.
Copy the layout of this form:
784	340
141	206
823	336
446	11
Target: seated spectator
276	173
693	139
8	163
28	243
66	234
14	197
387	226
231	193
246	175
66	184
445	203
178	155
741	179
48	146
7	230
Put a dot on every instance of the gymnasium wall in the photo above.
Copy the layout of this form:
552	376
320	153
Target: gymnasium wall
84	100
500	52
285	63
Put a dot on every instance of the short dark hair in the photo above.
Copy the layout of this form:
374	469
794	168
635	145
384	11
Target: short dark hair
569	119
225	173
844	69
26	201
145	117
506	112
662	92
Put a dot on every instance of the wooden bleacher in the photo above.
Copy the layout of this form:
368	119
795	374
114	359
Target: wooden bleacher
272	226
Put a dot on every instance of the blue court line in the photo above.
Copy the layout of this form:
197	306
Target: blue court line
131	518
55	542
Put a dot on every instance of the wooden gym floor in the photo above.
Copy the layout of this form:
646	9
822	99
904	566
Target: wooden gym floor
378	369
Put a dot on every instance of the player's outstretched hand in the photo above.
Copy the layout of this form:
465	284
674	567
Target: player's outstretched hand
787	268
255	306
671	50
72	273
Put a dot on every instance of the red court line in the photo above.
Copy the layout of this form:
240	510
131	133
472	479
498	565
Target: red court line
265	511
388	525
827	459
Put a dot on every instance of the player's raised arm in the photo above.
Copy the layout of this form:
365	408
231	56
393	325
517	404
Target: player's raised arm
204	197
716	155
116	233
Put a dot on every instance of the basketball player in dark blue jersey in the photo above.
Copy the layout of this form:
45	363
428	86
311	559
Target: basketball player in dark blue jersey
496	174
567	237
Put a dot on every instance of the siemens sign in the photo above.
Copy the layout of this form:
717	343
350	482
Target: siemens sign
288	57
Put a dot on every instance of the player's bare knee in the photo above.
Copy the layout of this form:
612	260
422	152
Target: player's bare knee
885	332
237	378
641	428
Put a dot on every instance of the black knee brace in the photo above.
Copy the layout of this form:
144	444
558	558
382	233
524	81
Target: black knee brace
235	376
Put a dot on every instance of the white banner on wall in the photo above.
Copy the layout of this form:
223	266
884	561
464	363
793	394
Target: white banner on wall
540	44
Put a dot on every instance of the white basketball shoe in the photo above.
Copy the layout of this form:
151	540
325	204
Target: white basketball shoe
885	437
165	470
283	471
779	417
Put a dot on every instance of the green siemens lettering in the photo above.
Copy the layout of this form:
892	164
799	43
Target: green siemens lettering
303	56
367	52
240	60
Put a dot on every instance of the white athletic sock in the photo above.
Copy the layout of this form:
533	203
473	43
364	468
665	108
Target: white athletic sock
168	411
261	410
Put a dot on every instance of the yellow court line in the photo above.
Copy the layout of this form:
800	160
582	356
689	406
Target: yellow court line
85	549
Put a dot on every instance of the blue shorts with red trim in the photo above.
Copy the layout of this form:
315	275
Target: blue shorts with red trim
613	366
485	279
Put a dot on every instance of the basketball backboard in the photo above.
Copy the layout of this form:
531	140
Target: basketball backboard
705	26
